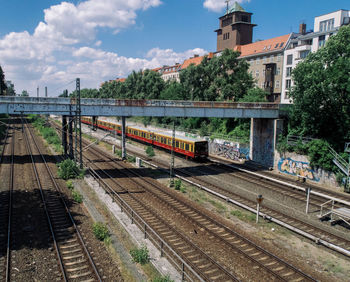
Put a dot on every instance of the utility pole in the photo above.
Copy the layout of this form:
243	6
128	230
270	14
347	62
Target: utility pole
78	122
172	163
37	92
347	182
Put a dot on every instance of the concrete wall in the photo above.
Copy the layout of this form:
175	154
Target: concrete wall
294	165
263	139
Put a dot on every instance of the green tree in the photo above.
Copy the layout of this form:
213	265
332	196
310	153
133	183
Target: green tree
24	93
221	78
321	94
3	86
255	95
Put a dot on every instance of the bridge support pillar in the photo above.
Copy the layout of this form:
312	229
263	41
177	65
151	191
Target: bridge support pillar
64	134
70	134
123	139
263	138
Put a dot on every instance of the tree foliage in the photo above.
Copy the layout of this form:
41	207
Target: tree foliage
321	94
222	78
3	86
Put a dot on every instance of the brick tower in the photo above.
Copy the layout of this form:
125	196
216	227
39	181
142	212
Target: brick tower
235	28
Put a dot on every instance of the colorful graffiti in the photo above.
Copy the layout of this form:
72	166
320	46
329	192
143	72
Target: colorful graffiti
230	152
297	168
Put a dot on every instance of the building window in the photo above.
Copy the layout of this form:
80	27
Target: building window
303	54
288	83
227	21
327	25
257	61
278	71
321	40
279	58
288	71
226	35
244	19
265	59
257	73
289	59
264	72
277	84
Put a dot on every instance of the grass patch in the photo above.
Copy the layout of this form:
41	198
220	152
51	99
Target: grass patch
100	231
77	197
70	184
150	152
220	207
165	278
249	217
47	132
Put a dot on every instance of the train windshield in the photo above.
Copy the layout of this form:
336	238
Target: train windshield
201	147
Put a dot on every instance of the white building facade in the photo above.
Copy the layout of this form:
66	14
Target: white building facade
304	43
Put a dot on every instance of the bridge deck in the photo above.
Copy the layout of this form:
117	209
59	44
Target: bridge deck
160	108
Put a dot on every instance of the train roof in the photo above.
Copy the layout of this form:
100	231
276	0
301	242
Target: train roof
158	132
167	134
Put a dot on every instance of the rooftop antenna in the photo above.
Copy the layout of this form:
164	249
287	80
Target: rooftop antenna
227	2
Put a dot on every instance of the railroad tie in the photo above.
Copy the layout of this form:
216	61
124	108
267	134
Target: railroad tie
80	275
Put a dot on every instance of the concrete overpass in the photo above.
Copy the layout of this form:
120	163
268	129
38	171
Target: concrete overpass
155	108
265	122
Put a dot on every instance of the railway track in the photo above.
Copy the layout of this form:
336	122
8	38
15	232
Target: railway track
219	233
288	189
6	205
74	259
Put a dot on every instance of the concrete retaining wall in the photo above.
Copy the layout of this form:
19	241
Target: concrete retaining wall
294	164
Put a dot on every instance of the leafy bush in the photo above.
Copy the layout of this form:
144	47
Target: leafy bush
118	153
150	152
67	169
178	184
77	196
140	255
70	185
318	152
100	231
131	159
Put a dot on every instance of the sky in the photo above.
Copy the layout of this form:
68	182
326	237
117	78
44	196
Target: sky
51	43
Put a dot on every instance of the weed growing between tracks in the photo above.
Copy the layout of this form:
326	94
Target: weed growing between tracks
47	132
140	255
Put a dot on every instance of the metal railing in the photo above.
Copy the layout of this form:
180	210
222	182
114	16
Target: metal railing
151	234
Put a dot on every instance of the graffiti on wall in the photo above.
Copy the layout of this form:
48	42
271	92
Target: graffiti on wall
230	152
297	168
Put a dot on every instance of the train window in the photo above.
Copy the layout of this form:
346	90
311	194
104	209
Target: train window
177	144
187	147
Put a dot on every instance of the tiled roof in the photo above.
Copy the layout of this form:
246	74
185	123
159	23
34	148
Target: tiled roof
195	60
120	79
264	46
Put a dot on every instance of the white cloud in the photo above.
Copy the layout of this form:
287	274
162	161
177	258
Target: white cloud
219	5
60	49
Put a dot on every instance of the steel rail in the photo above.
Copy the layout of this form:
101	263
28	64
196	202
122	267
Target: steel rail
228	230
92	264
164	223
29	150
8	250
265	215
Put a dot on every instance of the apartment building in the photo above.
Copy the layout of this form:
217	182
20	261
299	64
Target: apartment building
266	63
305	42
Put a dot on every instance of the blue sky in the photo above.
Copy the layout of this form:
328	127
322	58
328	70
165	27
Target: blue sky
50	43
